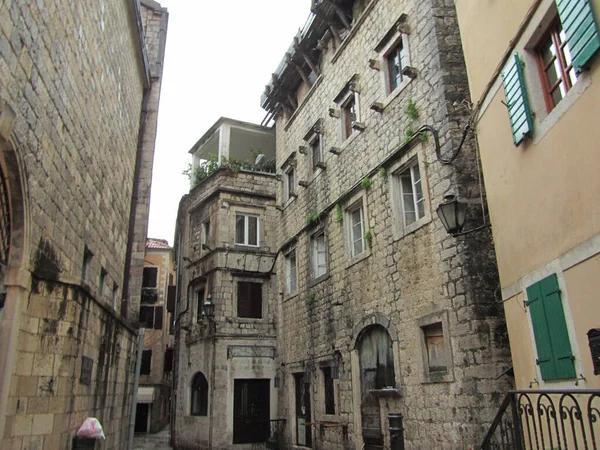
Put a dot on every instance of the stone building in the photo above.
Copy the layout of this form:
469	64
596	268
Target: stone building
156	308
541	163
224	391
385	321
79	91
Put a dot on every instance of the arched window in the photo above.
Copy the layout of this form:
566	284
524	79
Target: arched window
376	359
199	395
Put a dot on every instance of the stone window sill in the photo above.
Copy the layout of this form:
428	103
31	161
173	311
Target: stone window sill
358	258
314	281
386	393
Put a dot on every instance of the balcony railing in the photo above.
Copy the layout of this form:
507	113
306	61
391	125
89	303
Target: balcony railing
555	420
149	295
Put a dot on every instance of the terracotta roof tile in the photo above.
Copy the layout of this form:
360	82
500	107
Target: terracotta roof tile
160	244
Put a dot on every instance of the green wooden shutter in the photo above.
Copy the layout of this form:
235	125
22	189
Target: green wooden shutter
559	335
578	22
555	357
541	332
517	103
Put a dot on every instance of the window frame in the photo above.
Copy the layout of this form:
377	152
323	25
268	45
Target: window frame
289	188
238	292
291	256
436	376
146	351
313	255
358	205
317	138
246	241
205	234
199	302
202	410
330	406
346	115
147	269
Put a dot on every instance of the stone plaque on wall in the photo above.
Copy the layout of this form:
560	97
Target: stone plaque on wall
250	351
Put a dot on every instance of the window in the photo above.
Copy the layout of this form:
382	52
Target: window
356	230
168	367
349	115
376	358
316	151
436	349
199	303
328	390
87	260
146	366
151	317
290	272
554	355
205	233
115	295
199	395
555	65
101	281
150	277
318	255
249	300
289	184
246	230
396	61
411	194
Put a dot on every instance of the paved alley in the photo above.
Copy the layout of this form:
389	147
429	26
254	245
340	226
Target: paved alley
157	441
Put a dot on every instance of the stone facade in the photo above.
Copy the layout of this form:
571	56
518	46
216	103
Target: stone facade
411	285
78	118
233	353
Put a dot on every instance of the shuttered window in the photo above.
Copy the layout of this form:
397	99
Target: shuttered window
555	357
249	298
517	103
577	19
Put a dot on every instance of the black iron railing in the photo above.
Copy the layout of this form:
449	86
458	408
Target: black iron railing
554	420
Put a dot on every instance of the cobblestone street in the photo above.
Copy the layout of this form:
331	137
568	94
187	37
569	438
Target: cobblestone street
157	441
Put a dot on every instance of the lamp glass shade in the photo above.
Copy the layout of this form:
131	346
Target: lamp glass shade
452	213
208	309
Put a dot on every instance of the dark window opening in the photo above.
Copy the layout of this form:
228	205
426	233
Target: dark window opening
146	366
169	360
199	395
87	259
348	117
147	316
199	303
329	391
315	150
249	301
150	277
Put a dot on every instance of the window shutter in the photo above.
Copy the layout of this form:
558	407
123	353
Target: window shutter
555	357
559	337
541	332
158	320
578	22
516	100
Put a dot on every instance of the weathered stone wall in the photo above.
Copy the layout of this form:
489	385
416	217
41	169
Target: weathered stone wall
218	269
74	76
405	276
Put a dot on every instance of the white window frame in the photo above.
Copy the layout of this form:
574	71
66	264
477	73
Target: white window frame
357	206
314	255
411	159
395	40
246	228
291	272
411	168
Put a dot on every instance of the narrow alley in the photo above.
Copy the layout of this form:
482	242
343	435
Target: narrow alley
156	441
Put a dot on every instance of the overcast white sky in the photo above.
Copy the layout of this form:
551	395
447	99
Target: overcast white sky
219	56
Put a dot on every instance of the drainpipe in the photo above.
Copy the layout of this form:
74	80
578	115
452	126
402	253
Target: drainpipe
136	382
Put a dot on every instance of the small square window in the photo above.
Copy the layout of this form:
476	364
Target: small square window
435	348
356	230
246	229
290	272
249	300
318	255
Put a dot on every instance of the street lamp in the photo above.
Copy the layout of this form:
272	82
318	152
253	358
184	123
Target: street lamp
208	309
452	213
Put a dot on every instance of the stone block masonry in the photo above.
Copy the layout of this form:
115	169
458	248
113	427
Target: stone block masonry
79	94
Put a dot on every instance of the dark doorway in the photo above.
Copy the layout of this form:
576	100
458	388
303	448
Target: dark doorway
251	411
142	411
304	436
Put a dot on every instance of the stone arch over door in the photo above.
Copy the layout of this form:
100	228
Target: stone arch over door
373	347
15	280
